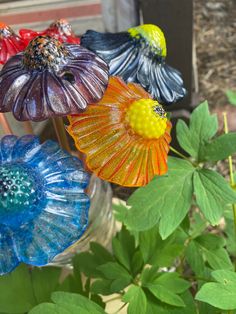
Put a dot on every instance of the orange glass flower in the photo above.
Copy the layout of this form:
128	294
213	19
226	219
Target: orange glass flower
125	136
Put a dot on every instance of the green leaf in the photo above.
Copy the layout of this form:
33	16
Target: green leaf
88	262
49	308
154	202
202	127
224	276
66	299
221	294
16	293
210	241
173	282
220	148
120	276
154	306
123	246
165	295
113	270
231	95
44	281
102	286
136	263
136	299
212	194
214	253
194	258
148	275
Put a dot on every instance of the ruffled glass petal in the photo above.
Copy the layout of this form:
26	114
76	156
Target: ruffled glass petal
43	206
113	151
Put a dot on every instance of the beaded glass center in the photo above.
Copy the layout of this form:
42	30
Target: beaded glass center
147	118
44	52
19	194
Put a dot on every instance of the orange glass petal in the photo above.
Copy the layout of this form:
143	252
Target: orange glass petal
114	152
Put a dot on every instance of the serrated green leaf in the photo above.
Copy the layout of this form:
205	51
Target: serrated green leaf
155	201
137	263
231	95
218	259
16	293
202	127
213	193
113	270
173	282
218	295
136	299
165	295
194	258
123	246
210	241
148	275
102	286
154	306
67	299
88	262
220	148
156	251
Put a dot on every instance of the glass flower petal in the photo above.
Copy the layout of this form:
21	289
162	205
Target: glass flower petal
125	137
51	79
60	29
10	43
43	206
138	55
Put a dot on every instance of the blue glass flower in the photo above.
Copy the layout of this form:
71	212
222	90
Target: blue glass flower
43	207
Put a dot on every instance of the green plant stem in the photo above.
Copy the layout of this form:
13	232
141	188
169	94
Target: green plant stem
231	171
182	156
178	153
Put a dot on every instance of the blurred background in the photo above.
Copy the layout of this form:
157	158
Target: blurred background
201	38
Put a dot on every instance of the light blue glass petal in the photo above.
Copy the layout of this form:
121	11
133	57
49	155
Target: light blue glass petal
8	258
6	147
60	225
68	175
40	156
24	145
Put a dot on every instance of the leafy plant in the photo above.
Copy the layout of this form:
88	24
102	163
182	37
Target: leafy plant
175	252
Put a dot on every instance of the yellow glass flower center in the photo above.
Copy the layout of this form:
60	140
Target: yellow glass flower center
147	118
153	34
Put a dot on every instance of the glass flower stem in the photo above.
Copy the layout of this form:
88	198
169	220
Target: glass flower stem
61	133
5	124
28	127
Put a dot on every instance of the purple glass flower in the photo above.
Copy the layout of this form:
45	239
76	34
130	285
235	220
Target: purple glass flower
51	79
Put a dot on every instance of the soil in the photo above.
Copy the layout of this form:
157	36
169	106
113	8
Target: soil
215	39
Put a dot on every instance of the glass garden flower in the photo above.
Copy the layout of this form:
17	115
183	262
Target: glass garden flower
10	43
138	55
43	207
125	137
59	29
51	79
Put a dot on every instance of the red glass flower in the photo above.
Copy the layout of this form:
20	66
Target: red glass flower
10	43
59	29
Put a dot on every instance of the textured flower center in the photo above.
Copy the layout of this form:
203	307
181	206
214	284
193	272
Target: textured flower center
63	27
5	30
147	118
44	52
19	193
153	34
